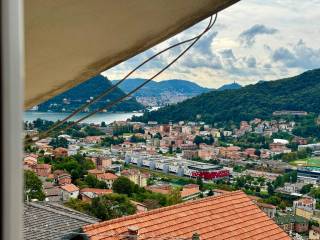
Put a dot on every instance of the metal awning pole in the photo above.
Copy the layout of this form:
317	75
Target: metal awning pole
11	119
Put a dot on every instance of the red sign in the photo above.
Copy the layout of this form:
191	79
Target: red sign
211	175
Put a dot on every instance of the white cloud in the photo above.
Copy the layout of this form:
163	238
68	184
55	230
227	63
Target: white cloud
283	36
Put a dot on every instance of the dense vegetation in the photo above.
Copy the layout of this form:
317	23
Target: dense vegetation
32	186
76	131
105	207
301	92
77	165
153	200
75	97
120	203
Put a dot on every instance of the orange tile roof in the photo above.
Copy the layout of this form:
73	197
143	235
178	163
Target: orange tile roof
189	190
306	201
229	216
43	166
70	188
107	176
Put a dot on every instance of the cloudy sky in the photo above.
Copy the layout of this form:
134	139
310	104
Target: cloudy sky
252	40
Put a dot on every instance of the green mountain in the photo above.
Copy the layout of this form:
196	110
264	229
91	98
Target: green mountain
156	89
230	86
301	92
80	94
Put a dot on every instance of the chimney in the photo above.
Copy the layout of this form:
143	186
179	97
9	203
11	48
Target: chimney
133	232
195	236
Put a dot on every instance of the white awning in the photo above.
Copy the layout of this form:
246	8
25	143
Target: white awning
69	41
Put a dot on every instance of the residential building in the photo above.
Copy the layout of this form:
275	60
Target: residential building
309	175
140	206
314	233
93	139
292	113
292	223
60	152
277	148
61	177
43	169
190	191
73	149
307	204
136	176
43	220
53	193
229	216
95	172
108	178
313	147
103	163
305	207
269	209
163	188
87	194
69	191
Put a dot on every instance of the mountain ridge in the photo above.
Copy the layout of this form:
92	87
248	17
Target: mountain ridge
84	92
301	92
154	88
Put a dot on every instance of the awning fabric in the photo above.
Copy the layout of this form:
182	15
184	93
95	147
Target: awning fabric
69	41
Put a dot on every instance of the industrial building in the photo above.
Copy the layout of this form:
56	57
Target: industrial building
309	174
178	166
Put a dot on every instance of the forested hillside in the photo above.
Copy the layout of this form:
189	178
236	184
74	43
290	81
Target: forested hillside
301	92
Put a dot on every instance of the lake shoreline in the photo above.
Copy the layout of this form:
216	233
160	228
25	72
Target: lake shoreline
107	117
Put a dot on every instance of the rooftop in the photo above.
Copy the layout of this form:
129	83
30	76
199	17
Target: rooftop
108	176
96	190
70	187
52	221
229	216
306	201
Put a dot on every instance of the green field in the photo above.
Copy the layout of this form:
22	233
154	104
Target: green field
309	162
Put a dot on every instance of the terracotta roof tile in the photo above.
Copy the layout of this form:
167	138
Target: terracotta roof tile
229	216
70	187
107	176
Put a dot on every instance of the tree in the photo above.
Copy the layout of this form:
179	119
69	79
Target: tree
33	186
76	165
78	205
111	206
240	182
174	197
157	135
238	168
108	141
170	151
200	183
315	192
136	139
123	185
91	181
197	140
93	131
103	124
270	189
257	152
59	142
306	189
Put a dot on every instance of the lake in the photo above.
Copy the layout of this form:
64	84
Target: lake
107	117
